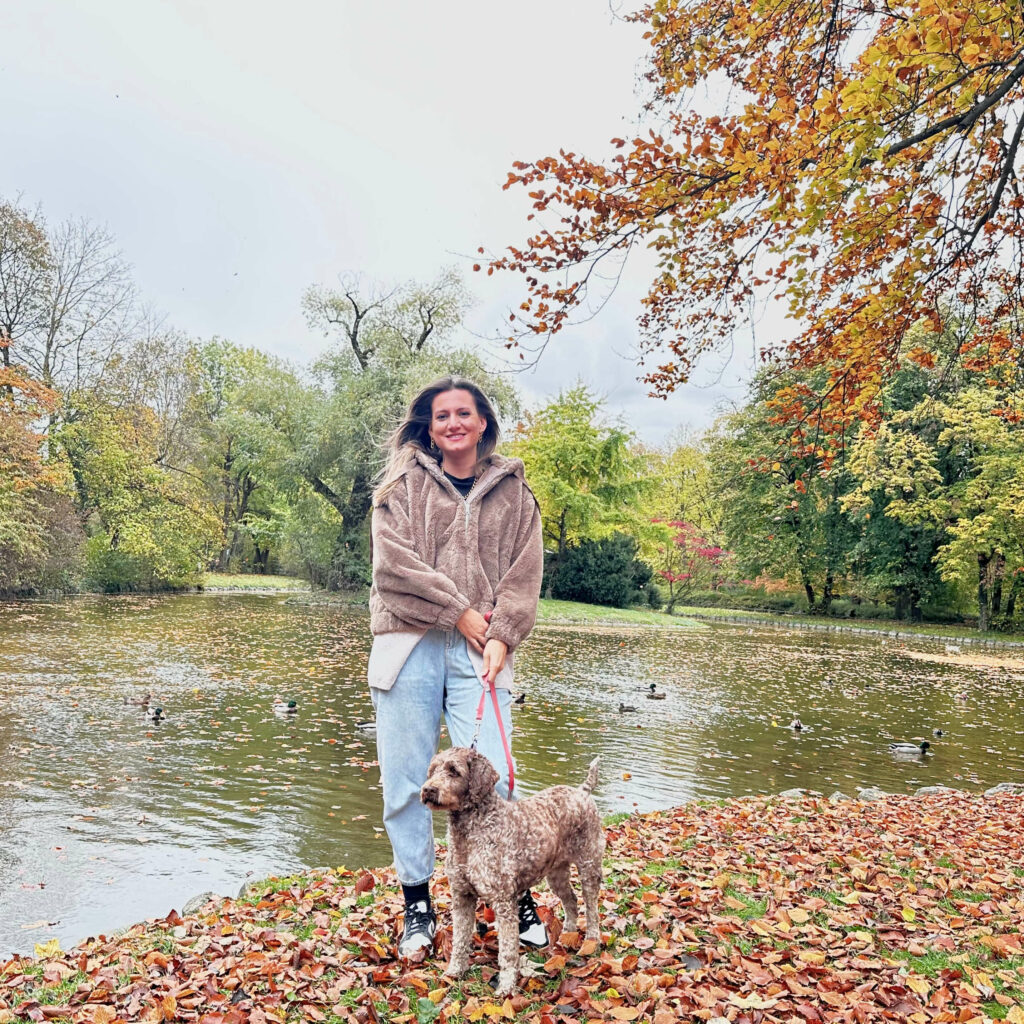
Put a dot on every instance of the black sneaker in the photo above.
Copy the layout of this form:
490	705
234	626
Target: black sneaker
420	926
532	932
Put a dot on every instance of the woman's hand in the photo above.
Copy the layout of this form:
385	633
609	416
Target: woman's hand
473	626
494	659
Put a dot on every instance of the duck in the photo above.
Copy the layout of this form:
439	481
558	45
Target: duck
290	707
138	702
655	694
937	733
367	725
155	714
796	725
519	698
623	708
909	748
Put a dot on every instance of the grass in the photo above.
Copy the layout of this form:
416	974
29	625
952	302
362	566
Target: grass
941	629
251	581
575	613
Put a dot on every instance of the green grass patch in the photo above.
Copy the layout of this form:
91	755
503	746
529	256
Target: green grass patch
575	613
659	867
54	995
969	895
752	908
615	819
251	581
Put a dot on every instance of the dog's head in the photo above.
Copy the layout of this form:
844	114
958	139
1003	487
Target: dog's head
458	778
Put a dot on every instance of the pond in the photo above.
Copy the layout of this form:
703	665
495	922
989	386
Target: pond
107	818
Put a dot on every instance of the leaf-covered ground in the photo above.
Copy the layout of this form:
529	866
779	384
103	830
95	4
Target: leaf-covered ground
755	910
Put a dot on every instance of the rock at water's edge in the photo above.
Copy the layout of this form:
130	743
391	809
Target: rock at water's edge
1013	788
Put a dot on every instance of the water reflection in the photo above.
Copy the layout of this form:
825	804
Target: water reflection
109	818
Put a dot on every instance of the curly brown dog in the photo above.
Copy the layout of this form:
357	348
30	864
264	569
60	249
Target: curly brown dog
497	849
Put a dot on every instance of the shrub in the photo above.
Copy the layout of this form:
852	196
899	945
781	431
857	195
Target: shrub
604	572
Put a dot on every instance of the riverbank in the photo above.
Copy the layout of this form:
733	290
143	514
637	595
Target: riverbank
763	908
574	613
884	627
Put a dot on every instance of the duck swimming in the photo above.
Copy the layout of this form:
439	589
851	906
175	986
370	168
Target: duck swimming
290	707
796	725
367	725
909	748
655	694
156	715
623	708
138	702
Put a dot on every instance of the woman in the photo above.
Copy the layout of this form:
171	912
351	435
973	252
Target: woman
457	565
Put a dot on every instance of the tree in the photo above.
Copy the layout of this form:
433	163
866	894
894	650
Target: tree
583	472
687	561
863	169
148	528
68	303
950	466
36	530
781	512
389	343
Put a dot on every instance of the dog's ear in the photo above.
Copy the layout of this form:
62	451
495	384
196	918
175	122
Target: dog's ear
482	777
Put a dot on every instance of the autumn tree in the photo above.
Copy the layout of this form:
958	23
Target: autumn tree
37	530
860	165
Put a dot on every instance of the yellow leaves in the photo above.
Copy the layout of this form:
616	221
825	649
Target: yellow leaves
918	985
799	916
1015	1015
47	949
490	1010
907	913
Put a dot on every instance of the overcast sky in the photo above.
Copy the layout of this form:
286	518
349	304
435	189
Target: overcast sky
241	151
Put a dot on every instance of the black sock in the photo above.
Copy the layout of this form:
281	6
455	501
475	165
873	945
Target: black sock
416	893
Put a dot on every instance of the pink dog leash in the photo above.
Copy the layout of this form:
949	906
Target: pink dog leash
501	726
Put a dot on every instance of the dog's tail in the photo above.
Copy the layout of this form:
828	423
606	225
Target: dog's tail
591	780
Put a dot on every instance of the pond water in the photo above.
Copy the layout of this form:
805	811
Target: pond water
106	818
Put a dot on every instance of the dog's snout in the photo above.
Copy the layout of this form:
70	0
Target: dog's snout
428	795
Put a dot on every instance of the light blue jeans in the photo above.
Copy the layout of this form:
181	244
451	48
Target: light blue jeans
437	679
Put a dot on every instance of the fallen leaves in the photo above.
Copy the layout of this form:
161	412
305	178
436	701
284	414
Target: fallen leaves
751	913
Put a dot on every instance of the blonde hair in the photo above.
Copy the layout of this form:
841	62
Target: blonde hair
413	433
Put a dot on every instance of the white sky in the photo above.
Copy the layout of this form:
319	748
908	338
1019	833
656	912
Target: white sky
241	151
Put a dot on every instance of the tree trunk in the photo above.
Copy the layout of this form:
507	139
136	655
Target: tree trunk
826	594
983	599
999	570
808	590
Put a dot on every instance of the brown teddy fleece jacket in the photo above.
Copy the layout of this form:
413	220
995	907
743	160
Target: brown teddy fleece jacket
435	553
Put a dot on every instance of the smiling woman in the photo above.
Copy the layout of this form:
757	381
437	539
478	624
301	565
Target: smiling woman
457	564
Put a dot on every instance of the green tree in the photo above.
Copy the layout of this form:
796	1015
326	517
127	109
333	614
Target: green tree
388	344
585	473
781	513
148	528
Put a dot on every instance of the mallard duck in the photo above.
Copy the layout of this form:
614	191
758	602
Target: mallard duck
655	694
519	698
290	707
367	725
909	748
796	725
138	702
623	708
155	714
937	733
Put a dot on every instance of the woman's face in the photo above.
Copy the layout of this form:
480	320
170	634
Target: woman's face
455	425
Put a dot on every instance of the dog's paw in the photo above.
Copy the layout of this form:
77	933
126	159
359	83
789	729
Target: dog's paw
456	970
